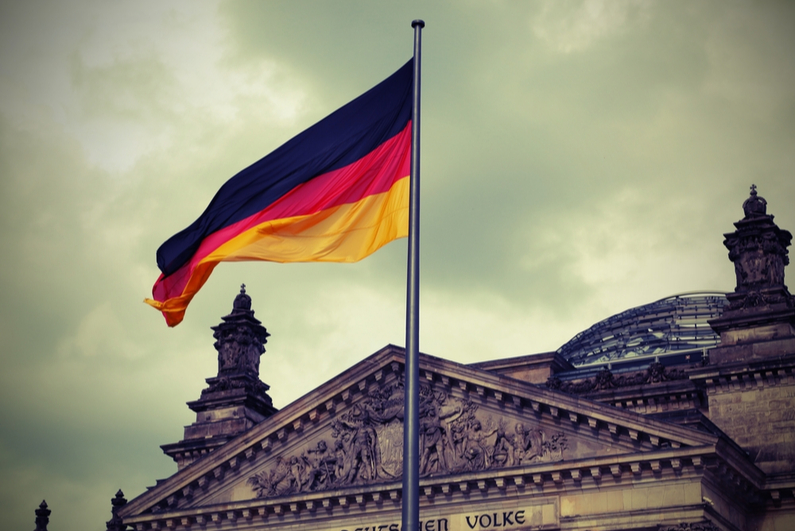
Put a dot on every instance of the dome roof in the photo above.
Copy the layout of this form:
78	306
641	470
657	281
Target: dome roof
669	325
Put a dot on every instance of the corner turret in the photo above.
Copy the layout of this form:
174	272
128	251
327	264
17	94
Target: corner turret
235	399
760	309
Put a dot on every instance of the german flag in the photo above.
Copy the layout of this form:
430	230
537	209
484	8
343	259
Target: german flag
337	192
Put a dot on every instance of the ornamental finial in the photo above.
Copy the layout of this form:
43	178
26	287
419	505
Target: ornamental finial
242	301
42	516
755	206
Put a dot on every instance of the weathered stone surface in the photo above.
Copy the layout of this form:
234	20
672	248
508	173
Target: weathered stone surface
235	399
760	308
760	418
363	443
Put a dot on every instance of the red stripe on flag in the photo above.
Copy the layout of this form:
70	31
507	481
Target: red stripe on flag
372	174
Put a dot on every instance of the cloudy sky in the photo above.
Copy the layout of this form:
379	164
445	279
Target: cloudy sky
579	158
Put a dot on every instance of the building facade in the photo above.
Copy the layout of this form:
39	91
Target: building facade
696	438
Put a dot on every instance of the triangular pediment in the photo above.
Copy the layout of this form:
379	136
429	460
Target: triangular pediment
347	435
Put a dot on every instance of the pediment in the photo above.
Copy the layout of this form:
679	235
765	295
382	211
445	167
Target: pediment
347	435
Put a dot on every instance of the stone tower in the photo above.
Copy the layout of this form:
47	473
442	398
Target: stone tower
749	380
235	399
761	310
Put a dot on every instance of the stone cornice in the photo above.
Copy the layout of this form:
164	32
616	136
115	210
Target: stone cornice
736	376
536	480
553	359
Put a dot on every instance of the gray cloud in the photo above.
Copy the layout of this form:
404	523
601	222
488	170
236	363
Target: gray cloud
579	158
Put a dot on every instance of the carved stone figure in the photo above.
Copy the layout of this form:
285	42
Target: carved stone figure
477	451
437	452
552	449
706	525
360	446
320	467
526	444
604	380
431	442
368	441
656	372
503	454
277	482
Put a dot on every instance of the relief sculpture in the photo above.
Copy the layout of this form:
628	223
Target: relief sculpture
366	444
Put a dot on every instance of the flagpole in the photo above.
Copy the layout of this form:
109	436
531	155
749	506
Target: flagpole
411	420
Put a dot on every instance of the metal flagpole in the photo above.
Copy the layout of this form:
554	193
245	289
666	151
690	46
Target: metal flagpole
411	417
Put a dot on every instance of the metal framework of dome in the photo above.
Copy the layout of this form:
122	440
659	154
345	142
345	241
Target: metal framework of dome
674	324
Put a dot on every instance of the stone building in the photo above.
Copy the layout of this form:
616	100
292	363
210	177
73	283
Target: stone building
666	438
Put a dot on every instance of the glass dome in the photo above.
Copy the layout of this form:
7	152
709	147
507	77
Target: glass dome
669	325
